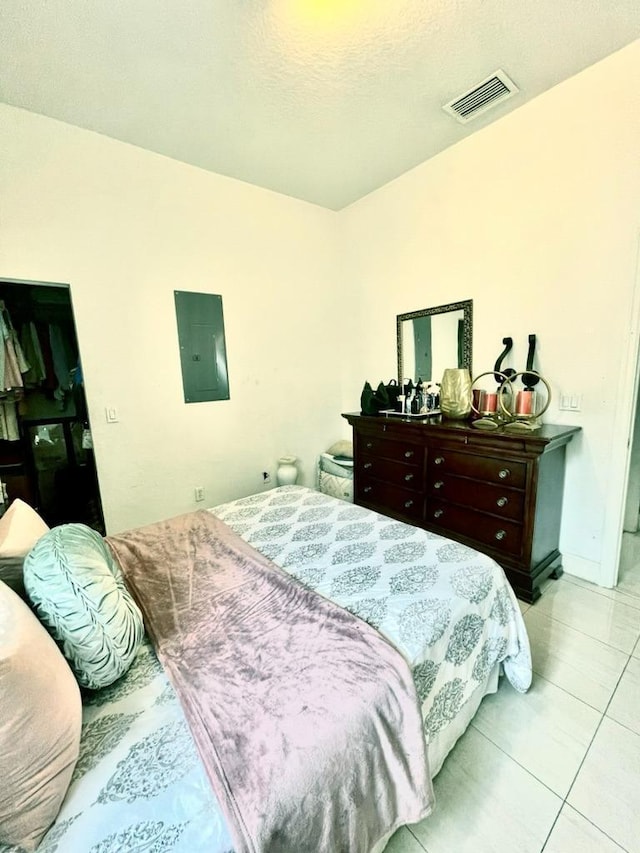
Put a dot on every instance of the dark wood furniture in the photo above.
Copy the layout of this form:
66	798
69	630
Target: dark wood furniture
16	479
498	492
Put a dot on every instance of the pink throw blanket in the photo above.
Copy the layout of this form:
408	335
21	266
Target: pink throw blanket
305	717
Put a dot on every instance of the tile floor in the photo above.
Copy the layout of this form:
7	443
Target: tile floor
558	769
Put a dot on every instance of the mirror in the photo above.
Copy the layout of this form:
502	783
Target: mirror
433	339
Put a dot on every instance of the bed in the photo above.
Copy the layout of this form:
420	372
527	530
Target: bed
139	784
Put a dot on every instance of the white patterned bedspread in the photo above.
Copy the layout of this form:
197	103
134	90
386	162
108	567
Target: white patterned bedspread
448	608
139	786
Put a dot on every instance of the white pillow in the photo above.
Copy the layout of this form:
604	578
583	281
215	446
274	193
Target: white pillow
20	529
40	722
343	448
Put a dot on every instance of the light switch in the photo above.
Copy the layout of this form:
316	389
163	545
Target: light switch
111	414
570	402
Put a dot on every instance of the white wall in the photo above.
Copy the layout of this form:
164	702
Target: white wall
124	228
536	218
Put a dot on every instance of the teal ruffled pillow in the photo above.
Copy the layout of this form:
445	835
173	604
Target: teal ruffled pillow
78	592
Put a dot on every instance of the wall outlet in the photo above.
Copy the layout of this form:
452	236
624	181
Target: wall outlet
199	493
266	477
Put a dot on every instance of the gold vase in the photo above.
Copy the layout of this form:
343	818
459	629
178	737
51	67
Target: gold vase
455	393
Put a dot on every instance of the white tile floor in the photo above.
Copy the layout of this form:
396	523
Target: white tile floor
558	769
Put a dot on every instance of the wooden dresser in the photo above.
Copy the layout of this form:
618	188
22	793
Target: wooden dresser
500	493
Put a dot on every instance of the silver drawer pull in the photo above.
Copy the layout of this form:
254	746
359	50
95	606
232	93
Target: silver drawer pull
438	460
438	485
500	535
438	513
408	454
502	501
367	489
369	444
368	465
408	504
408	478
503	473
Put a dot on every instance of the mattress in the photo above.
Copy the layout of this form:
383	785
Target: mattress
139	784
335	477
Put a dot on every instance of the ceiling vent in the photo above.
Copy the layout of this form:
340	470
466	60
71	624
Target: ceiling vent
489	93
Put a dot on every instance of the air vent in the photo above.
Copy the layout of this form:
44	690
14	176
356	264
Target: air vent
490	92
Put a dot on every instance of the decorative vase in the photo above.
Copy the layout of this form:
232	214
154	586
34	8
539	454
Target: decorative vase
455	393
287	473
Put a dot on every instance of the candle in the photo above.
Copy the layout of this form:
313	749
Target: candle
476	402
490	402
524	402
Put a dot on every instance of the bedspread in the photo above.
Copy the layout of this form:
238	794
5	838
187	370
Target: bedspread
305	717
448	608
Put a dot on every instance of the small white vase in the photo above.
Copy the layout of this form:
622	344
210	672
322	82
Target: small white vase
287	473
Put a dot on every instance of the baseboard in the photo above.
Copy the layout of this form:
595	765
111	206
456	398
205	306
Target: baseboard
587	570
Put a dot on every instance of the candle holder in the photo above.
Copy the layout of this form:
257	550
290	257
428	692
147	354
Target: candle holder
526	410
486	404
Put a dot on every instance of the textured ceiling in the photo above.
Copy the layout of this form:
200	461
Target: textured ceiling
323	100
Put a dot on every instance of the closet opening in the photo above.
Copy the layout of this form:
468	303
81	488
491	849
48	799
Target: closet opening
46	448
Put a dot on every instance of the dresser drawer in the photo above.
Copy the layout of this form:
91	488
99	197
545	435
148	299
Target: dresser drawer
500	534
399	473
486	497
496	491
493	470
390	499
386	448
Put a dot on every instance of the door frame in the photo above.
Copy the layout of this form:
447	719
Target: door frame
35	283
622	436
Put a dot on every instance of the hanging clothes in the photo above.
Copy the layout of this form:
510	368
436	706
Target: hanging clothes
12	374
64	359
14	363
9	430
49	381
30	343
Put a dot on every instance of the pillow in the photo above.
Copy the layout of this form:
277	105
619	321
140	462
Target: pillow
20	529
79	593
342	448
40	723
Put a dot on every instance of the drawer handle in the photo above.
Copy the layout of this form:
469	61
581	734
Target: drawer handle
408	478
367	489
368	465
408	504
408	454
503	473
438	485
502	501
438	460
438	513
500	535
369	445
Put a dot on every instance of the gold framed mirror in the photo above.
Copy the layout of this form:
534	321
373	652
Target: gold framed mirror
431	340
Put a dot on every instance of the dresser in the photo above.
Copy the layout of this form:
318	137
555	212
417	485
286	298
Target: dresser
498	492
